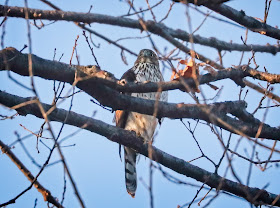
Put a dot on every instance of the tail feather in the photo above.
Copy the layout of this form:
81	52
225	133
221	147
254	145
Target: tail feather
130	171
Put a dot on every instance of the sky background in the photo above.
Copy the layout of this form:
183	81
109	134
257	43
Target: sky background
94	161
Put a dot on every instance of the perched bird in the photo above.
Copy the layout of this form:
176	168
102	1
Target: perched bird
146	68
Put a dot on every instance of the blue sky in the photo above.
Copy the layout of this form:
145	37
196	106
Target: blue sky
94	161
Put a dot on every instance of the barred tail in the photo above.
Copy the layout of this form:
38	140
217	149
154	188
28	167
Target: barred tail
130	171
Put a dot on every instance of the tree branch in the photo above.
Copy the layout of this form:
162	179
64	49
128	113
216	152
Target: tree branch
130	23
215	113
151	26
129	139
53	70
240	17
45	193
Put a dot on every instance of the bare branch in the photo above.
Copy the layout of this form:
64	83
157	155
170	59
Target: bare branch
54	70
129	139
45	193
130	23
151	26
216	113
239	17
222	119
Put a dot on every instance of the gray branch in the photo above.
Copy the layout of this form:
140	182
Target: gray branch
240	17
246	124
130	23
45	192
254	195
63	72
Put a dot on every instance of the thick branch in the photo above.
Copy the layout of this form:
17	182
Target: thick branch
124	22
241	18
271	78
45	193
18	63
130	23
54	70
247	21
121	136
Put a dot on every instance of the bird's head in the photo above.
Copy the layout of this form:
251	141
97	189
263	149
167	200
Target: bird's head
147	56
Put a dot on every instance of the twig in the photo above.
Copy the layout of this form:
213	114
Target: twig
91	49
130	23
241	18
130	140
74	47
45	193
252	161
143	10
197	192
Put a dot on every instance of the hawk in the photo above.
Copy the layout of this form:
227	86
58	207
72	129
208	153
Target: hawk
146	68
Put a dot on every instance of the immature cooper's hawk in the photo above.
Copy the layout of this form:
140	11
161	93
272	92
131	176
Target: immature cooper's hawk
146	68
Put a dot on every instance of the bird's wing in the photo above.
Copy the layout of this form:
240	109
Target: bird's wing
122	115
